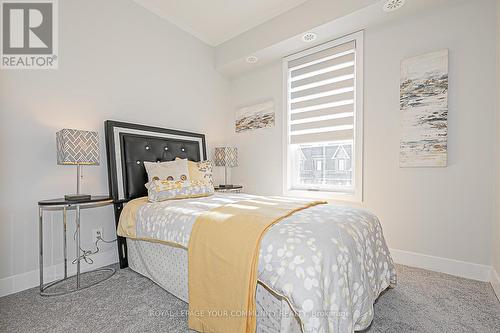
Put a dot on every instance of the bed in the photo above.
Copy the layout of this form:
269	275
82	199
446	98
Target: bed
320	270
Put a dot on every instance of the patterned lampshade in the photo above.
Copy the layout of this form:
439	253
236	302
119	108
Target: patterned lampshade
226	156
77	147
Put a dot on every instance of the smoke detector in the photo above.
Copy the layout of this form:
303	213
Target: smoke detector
393	5
309	37
252	59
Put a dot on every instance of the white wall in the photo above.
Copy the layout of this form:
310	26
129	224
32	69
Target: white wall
496	223
117	61
259	154
444	212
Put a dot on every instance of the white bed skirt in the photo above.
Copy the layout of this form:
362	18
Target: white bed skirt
167	266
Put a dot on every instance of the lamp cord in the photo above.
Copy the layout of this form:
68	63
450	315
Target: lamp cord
85	254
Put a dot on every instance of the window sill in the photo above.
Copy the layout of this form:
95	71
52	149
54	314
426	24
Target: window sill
325	195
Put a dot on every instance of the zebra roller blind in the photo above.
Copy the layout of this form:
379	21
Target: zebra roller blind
321	95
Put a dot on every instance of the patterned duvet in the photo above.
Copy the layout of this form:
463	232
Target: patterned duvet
331	262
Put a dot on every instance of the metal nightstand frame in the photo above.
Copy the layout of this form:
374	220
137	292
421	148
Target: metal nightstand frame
77	206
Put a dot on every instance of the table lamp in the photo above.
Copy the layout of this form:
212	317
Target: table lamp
76	147
228	158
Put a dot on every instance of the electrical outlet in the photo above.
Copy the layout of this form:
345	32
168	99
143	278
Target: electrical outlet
96	234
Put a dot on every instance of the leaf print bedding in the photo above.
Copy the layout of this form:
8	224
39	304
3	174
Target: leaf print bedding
331	262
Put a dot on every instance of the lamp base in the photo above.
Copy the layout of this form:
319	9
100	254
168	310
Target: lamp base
77	197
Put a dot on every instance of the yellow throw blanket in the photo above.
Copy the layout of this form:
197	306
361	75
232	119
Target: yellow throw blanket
223	260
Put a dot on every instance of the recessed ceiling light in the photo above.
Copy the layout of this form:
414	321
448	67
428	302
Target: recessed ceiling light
392	5
252	59
309	37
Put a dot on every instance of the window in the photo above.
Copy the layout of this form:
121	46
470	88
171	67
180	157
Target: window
319	165
323	125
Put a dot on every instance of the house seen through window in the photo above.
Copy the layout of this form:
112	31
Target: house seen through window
324	164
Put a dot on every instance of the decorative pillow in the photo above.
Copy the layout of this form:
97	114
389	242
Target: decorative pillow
173	170
161	190
201	171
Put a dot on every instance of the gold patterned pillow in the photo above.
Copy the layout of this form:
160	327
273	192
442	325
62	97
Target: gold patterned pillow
201	171
161	190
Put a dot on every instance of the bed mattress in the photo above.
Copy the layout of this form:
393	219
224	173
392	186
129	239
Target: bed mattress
167	266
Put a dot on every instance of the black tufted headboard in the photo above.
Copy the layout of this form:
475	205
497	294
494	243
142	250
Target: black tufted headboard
128	146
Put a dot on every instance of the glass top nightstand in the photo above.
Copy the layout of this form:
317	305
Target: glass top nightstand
229	188
65	205
95	199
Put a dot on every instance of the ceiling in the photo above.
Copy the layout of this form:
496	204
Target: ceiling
217	21
328	19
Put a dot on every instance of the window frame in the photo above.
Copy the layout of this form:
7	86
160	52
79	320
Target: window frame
357	194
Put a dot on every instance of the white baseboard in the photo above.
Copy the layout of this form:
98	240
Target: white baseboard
495	282
23	281
444	265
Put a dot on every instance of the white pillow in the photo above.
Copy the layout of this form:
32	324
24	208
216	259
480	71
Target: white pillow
173	170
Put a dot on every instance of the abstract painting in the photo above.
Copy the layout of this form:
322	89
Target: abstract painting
424	110
255	116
